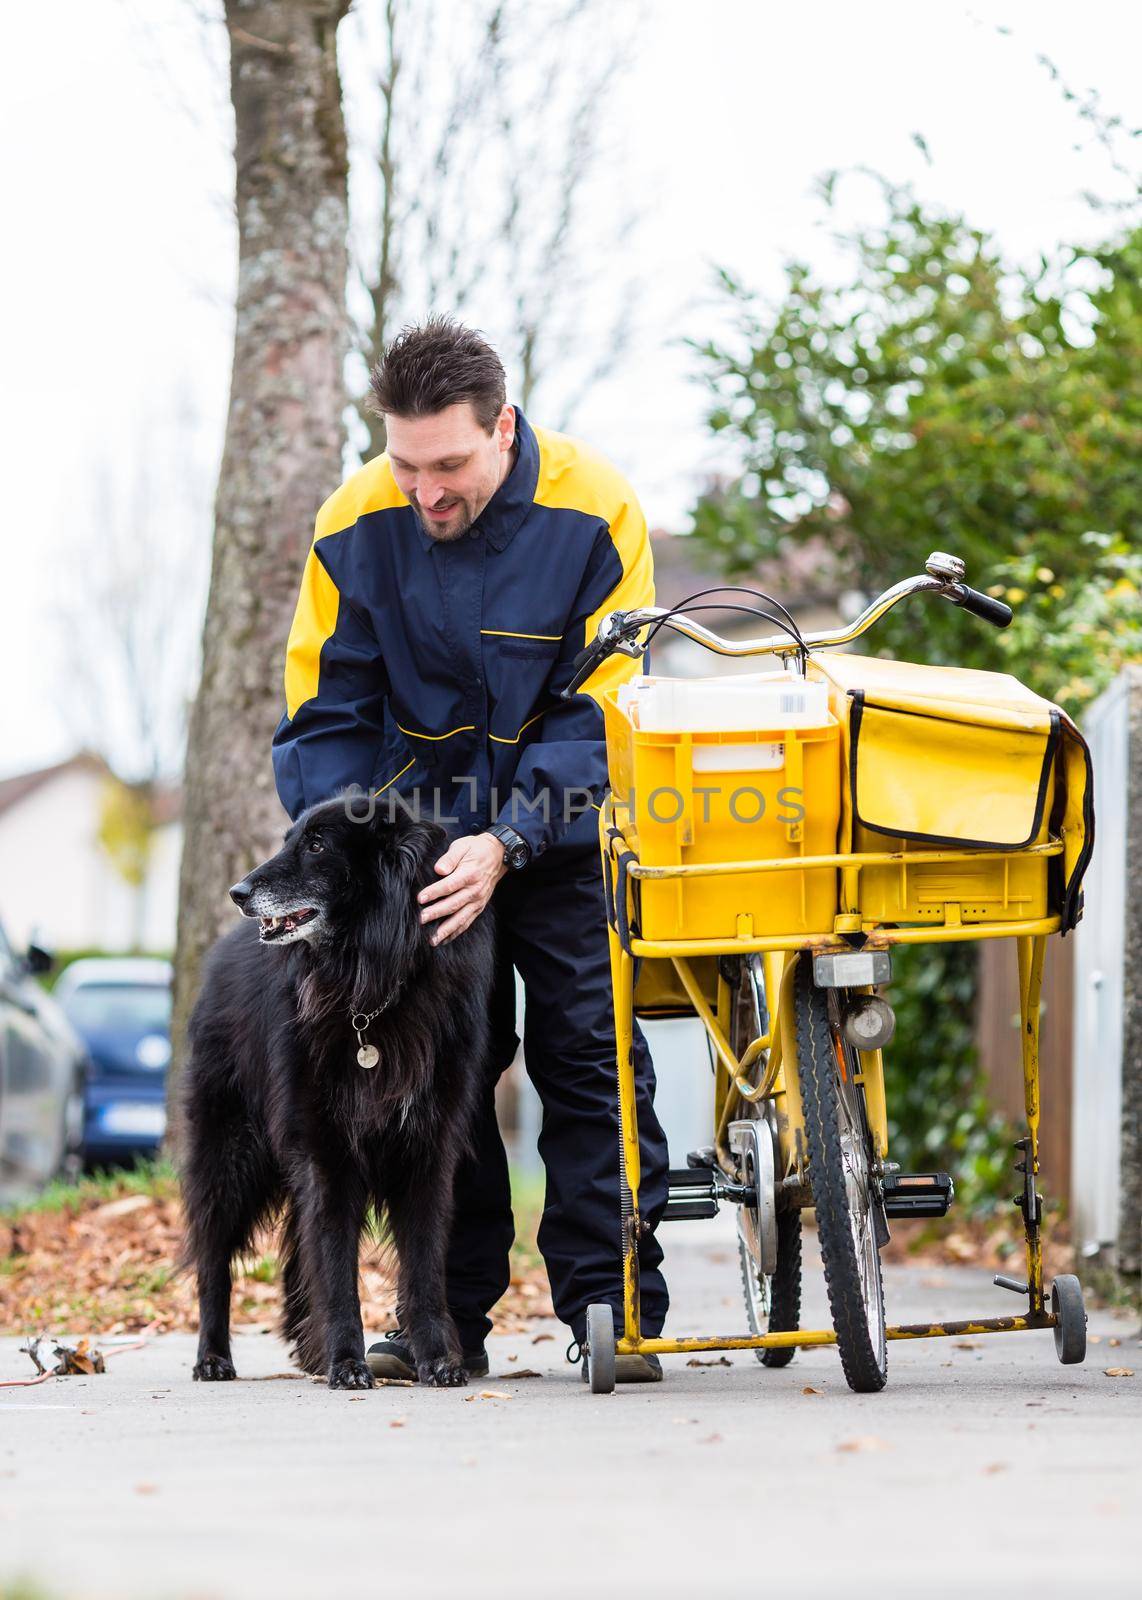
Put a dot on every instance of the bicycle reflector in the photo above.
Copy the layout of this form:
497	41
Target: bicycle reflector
851	968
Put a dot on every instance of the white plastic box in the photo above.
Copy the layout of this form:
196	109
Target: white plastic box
745	702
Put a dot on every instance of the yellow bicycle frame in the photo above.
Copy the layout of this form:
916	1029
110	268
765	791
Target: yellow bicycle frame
780	1081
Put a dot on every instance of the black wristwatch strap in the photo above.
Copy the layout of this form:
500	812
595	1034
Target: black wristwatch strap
517	851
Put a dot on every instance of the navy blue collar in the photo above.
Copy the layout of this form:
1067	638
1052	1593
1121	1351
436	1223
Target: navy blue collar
501	517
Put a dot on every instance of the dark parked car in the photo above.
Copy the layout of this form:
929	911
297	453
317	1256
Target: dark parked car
42	1065
120	1007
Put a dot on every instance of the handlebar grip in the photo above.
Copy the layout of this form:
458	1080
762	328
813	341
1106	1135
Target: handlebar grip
584	664
984	606
588	654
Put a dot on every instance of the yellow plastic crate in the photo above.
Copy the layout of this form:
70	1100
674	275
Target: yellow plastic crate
763	794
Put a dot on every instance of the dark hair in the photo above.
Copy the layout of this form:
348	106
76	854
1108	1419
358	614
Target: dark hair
438	364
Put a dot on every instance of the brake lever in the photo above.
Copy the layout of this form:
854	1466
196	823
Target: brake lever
606	642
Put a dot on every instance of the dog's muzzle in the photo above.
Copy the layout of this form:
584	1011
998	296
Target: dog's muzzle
276	924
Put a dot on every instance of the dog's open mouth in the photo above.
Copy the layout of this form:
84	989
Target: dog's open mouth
270	928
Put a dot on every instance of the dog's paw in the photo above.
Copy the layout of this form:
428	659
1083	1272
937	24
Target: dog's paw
444	1373
352	1373
214	1369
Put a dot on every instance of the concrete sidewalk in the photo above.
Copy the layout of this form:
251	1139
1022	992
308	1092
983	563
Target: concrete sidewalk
983	1465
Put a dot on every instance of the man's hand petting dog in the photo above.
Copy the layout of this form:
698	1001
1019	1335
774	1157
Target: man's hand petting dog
470	869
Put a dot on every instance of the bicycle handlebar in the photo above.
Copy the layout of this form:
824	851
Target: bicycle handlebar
619	630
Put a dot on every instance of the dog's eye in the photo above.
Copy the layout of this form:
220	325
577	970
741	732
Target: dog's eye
314	846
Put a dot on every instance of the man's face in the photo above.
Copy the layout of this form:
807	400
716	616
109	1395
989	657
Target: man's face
448	466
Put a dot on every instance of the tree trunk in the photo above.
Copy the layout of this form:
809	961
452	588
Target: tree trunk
282	455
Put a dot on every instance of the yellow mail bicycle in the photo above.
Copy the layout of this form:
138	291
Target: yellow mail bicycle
767	841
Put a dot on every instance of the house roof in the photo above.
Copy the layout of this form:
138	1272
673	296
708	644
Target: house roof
806	575
22	785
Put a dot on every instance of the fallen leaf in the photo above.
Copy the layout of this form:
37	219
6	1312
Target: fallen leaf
468	1398
398	1422
809	1389
354	1399
995	1466
146	1488
122	1208
1120	1372
513	1358
866	1441
715	1361
525	1372
81	1362
494	1394
540	1337
967	1344
1114	1342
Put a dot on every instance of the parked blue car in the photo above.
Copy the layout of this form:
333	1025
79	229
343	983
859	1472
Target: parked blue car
120	1007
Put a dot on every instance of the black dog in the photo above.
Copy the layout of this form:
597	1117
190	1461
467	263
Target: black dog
297	1107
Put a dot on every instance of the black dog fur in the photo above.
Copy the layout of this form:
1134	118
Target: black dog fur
280	1120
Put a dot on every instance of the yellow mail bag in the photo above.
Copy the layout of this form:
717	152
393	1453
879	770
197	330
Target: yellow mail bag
948	757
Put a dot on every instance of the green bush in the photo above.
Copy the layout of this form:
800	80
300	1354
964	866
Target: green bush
939	1117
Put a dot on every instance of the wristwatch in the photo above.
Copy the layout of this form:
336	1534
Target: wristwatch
517	851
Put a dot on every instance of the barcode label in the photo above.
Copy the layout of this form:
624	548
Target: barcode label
792	702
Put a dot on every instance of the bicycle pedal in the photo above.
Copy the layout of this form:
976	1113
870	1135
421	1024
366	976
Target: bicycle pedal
691	1194
918	1194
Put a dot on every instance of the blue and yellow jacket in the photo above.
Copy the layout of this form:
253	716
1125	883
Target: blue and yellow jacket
433	669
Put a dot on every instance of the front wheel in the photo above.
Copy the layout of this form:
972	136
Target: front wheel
841	1176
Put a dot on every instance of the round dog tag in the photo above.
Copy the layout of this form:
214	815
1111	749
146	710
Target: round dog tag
368	1055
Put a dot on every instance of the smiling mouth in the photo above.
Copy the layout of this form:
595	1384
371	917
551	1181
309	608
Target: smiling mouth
270	928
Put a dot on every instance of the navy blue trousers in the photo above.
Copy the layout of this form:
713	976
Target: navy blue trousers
551	922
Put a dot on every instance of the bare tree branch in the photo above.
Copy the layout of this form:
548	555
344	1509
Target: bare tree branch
491	153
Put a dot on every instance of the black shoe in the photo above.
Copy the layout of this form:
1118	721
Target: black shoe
392	1358
632	1369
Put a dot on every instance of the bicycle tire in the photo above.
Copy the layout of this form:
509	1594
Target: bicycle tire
857	1309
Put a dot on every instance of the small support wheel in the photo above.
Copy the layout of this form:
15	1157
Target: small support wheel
1070	1324
599	1349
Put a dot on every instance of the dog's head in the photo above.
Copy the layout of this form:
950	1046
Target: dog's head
335	863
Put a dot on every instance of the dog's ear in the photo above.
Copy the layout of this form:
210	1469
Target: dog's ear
390	938
415	846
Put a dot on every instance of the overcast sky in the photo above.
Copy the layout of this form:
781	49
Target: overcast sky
120	256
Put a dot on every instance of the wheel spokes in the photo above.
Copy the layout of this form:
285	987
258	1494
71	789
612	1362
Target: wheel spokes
855	1158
